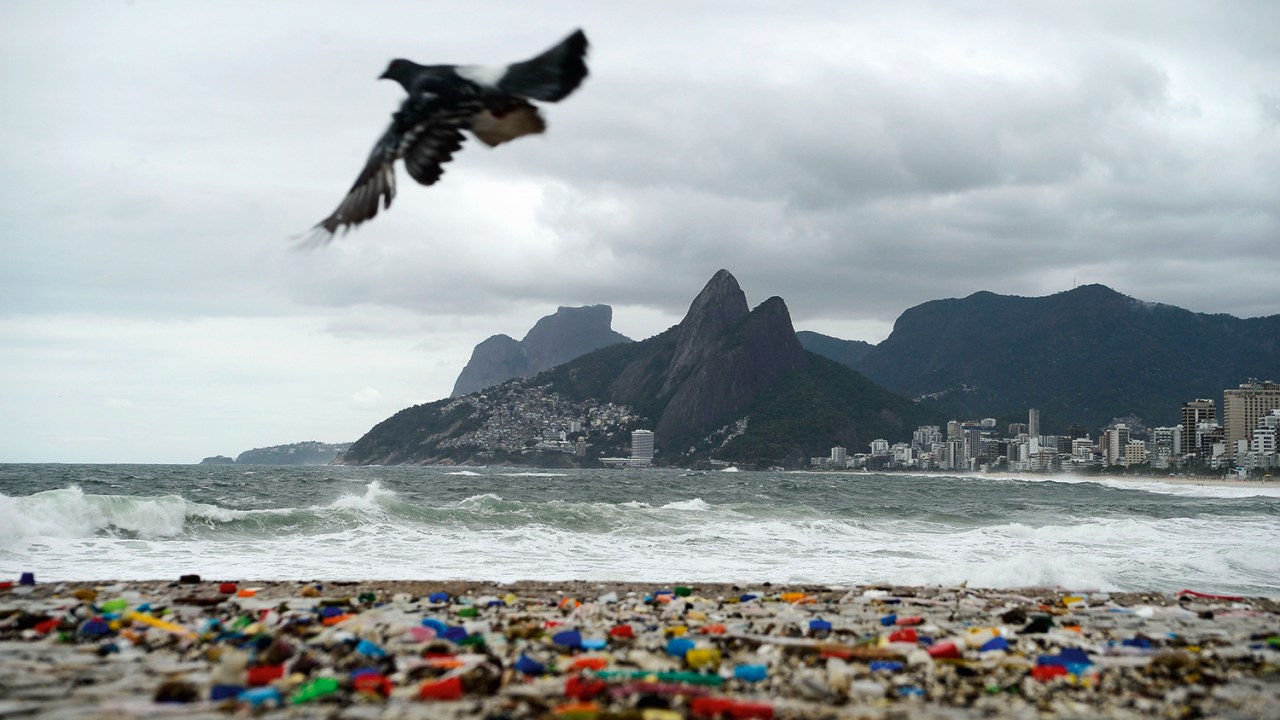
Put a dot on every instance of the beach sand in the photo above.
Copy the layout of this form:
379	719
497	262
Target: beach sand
589	649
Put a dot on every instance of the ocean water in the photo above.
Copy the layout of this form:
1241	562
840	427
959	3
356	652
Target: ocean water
86	522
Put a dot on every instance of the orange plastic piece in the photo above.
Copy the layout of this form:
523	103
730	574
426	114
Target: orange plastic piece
589	663
335	619
712	630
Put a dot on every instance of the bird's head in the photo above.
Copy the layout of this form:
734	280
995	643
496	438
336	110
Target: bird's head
401	71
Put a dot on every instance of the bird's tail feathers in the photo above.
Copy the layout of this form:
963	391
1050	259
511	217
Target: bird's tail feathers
552	75
317	237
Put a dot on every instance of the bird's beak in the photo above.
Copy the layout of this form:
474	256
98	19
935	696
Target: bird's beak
385	75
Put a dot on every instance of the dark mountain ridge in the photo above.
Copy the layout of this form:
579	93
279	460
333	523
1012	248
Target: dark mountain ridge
1085	355
568	333
727	382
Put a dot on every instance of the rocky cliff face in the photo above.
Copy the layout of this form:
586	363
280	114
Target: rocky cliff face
495	360
724	371
713	364
569	333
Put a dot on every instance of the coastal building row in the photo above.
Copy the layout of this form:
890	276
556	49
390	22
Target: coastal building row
525	418
1248	439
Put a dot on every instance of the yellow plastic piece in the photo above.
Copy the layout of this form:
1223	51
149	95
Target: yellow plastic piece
156	622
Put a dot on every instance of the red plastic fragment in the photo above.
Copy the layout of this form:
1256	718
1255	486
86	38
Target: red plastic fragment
622	631
444	689
906	636
582	688
264	674
1045	673
945	651
907	621
725	707
373	683
1210	596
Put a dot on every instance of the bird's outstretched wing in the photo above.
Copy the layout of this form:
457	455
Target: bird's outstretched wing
425	133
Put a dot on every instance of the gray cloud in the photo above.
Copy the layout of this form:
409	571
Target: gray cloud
854	158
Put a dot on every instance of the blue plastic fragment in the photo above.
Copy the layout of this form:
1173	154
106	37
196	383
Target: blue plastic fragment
594	643
910	691
435	624
95	628
1075	660
331	611
747	597
751	673
438	597
568	638
995	643
529	666
679	646
819	625
888	620
225	692
454	634
1138	642
258	697
363	671
886	665
364	647
497	602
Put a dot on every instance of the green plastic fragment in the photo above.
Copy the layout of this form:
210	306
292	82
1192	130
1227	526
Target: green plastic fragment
318	688
677	676
683	591
1274	641
367	598
115	606
472	640
469	612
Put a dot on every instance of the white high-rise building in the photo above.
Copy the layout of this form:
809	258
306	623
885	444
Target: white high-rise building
642	446
1033	423
839	457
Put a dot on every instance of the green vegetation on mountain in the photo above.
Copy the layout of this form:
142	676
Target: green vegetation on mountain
1083	356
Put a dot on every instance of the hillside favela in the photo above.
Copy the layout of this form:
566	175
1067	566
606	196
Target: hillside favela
585	411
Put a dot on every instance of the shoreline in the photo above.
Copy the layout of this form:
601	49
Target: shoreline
597	649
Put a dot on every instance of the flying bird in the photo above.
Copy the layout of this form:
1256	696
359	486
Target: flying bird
492	103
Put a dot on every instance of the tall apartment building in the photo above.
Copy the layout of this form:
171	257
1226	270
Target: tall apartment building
1194	414
1114	441
1033	422
971	434
1016	429
642	446
839	457
1135	453
925	436
1241	409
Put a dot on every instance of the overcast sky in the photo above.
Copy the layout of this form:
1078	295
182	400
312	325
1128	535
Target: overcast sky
855	158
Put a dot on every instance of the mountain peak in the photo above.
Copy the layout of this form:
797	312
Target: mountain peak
720	304
554	339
